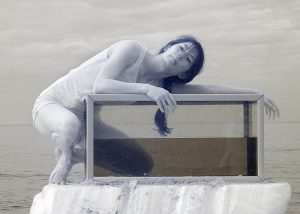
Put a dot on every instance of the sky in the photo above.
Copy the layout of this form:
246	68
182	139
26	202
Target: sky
252	44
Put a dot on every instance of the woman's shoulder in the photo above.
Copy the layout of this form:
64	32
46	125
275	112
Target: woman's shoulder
128	45
127	49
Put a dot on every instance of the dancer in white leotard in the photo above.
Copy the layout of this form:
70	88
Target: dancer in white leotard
70	90
124	67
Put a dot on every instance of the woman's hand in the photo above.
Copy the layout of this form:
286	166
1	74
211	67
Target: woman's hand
270	108
164	99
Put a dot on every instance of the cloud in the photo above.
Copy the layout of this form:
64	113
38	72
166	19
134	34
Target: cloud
45	39
42	29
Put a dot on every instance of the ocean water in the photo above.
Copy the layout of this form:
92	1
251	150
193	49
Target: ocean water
26	161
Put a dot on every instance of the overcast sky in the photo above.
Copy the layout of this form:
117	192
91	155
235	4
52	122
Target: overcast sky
247	43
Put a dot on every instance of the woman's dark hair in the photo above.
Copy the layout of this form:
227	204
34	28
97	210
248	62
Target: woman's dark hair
160	117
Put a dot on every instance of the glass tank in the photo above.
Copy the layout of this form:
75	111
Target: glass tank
210	136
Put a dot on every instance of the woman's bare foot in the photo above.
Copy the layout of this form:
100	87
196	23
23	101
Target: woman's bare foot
61	171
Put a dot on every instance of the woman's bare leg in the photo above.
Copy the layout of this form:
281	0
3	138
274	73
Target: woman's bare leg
62	126
78	152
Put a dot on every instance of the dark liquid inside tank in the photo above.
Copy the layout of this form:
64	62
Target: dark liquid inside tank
175	157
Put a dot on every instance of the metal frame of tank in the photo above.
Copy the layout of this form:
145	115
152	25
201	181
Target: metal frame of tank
93	99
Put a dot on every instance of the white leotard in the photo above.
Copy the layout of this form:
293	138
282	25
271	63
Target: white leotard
71	89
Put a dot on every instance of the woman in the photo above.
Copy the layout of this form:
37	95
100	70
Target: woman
124	67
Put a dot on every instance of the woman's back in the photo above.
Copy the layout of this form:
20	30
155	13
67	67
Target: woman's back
71	89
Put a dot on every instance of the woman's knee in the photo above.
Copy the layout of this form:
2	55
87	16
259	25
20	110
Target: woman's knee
68	130
58	123
69	124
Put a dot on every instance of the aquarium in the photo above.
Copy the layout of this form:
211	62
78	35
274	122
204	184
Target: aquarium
211	135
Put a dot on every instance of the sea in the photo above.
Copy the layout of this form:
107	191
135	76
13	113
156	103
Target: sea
27	159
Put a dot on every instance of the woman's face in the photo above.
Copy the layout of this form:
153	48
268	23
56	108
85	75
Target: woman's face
179	58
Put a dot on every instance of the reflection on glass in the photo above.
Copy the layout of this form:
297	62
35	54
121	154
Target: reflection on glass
208	139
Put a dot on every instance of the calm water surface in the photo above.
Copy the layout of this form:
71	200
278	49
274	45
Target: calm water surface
26	161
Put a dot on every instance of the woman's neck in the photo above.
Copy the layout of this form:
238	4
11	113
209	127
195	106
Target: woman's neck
153	67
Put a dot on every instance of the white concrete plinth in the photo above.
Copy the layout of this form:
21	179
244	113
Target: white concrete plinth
133	198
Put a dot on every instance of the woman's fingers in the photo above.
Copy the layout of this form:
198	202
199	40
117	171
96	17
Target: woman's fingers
278	112
266	109
274	108
270	112
158	102
173	100
271	103
271	109
164	99
169	102
165	105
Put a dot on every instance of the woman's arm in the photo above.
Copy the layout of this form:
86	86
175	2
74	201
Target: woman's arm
271	109
211	89
165	100
122	57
